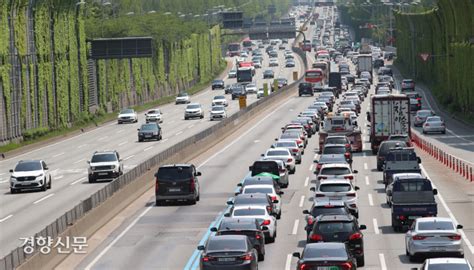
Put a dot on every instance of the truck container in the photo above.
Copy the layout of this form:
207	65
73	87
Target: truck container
335	80
389	115
364	63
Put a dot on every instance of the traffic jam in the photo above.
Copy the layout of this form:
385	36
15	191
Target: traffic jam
354	96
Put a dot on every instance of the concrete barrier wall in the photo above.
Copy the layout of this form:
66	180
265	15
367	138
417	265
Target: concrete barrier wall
95	211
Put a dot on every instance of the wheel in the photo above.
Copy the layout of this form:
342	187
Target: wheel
412	258
278	215
91	179
374	151
159	202
424	132
118	122
13	191
161	137
261	257
360	261
140	140
45	186
443	132
293	171
193	201
406	252
202	116
185	118
50	183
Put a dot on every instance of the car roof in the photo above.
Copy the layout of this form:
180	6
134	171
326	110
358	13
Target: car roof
278	149
250	206
446	260
260	186
335	165
194	103
175	165
227	237
434	219
328	201
104	152
407	176
329	218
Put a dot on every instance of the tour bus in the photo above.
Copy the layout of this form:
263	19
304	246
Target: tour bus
247	44
233	49
324	66
314	76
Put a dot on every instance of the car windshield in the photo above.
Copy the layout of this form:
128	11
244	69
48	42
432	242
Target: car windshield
258	190
433	119
335	171
249	212
385	147
227	244
126	111
148	127
328	210
103	158
277	153
250	200
182	94
217	81
335	187
423	113
28	166
437	226
335	227
289	136
194	106
450	266
319	253
334	150
219	97
154	112
218	108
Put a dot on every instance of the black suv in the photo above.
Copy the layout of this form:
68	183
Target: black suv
244	226
177	182
217	84
305	88
150	131
238	92
342	229
324	208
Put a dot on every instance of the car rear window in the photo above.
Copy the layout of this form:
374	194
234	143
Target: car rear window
227	244
335	171
334	150
413	185
286	144
174	173
269	167
248	190
385	147
335	187
328	210
335	227
277	153
319	253
247	200
438	225
249	212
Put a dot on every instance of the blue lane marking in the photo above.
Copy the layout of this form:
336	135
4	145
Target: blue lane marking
193	261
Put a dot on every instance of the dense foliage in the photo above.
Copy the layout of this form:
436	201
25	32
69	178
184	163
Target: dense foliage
445	34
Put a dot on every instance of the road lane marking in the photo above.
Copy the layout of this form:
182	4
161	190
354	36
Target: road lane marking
256	141
371	200
367	180
122	143
96	259
302	200
82	145
288	262
77	181
5	218
365	166
58	177
178	133
164	140
451	215
148	148
103	138
3	181
44	198
311	167
383	265
295	227
376	226
80	160
129	157
57	155
306	181
191	126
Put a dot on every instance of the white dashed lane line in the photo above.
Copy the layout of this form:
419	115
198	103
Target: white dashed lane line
44	198
77	181
5	218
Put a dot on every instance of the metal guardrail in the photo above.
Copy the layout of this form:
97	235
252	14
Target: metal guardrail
53	230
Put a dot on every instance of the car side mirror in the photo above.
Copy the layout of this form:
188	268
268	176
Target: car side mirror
281	193
138	129
297	255
213	229
250	168
276	139
389	192
200	248
227	215
46	168
435	191
262	155
356	188
306	212
459	226
272	146
419	159
88	162
239	184
355	171
413	268
11	170
362	227
230	202
264	228
198	174
313	189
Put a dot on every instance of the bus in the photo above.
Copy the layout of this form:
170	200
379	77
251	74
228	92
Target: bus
233	49
244	75
324	66
247	44
314	76
306	45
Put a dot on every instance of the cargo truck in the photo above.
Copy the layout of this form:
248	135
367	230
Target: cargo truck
335	80
364	63
389	115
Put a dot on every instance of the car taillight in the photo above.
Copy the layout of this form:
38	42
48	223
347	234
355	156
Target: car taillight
303	267
192	185
294	150
318	167
347	145
289	160
266	222
355	236
419	237
455	237
247	257
346	266
316	237
347	155
258	236
208	258
427	125
401	217
299	142
350	177
269	209
418	98
350	194
310	220
320	195
274	198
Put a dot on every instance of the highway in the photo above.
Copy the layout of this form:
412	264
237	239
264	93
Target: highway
145	236
25	214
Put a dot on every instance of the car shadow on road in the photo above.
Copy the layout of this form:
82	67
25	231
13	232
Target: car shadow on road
380	190
387	229
385	206
301	243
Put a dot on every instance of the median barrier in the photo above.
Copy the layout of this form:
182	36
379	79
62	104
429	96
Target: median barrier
92	213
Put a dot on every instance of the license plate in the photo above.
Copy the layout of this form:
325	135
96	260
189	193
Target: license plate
328	268
174	189
147	136
226	259
103	173
334	198
413	217
439	248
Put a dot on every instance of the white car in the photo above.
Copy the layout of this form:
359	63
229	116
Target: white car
270	191
337	189
366	75
273	62
260	93
282	154
127	115
251	88
154	115
340	171
220	100
30	174
182	98
445	263
218	112
193	110
232	74
258	212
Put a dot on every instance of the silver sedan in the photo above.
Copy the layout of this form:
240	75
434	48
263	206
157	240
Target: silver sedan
432	236
434	124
